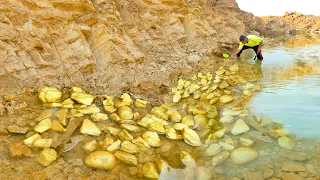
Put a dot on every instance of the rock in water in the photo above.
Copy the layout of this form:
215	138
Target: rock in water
125	113
150	171
240	127
17	129
213	149
47	156
286	142
100	160
152	138
219	158
89	128
243	155
191	137
225	99
43	125
126	158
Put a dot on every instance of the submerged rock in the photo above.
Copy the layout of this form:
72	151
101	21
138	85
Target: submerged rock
151	138
114	146
140	103
191	137
219	158
129	147
47	156
286	143
56	126
125	113
240	127
125	135
62	115
150	171
89	110
43	125
100	160
126	158
88	127
213	149
90	146
225	99
243	155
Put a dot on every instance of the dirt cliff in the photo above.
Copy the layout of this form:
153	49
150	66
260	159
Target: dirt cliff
111	44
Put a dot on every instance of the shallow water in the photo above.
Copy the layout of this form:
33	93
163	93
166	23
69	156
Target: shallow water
291	100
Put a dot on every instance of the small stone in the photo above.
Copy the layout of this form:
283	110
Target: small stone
99	117
240	127
224	99
295	156
176	97
246	142
226	146
267	172
62	115
243	155
179	126
286	143
90	110
253	175
90	146
100	160
130	127
82	98
219	134
145	121
88	127
213	149
129	147
113	131
49	94
42	143
106	142
174	116
29	141
234	68
114	146
291	176
17	129
140	142
188	120
247	92
125	135
115	117
19	149
282	132
171	134
219	158
56	126
43	125
47	156
140	103
223	85
151	138
110	109
226	119
150	171
156	126
126	158
191	137
294	167
125	113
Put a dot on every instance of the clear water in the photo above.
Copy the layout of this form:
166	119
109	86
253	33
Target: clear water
294	102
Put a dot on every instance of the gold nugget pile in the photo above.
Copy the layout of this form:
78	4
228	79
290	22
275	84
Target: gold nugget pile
190	116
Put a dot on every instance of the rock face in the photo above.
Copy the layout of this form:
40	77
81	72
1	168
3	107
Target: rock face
243	155
100	160
73	39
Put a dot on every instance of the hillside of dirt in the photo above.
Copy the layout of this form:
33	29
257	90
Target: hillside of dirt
111	44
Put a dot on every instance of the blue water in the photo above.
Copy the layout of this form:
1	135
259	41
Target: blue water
296	102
